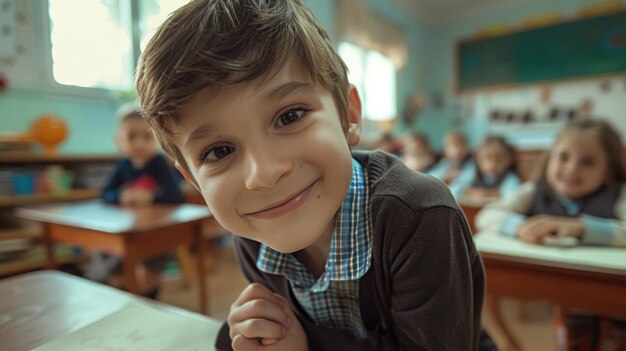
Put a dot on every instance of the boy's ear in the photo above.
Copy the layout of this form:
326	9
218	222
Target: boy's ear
186	176
354	116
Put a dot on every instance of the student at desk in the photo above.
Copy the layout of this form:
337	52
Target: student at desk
580	196
141	178
457	161
417	153
495	172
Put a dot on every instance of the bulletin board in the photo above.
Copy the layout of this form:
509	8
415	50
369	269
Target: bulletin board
576	49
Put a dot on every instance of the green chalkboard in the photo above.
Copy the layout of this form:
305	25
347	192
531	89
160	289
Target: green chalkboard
576	49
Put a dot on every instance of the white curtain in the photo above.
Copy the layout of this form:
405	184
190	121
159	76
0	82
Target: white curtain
358	23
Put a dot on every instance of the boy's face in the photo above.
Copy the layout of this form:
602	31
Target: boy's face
271	160
415	146
455	149
136	141
493	159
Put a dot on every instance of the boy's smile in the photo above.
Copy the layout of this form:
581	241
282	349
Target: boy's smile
284	206
270	157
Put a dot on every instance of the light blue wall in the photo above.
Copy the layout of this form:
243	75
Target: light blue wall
324	11
91	122
440	44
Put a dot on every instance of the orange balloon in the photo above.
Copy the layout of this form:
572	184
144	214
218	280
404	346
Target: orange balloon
49	131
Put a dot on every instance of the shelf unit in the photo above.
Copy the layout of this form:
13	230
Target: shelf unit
72	195
11	228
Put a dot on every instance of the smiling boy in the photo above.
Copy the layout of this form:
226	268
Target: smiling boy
344	250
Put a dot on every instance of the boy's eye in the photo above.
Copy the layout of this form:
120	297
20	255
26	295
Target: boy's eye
588	161
214	154
289	117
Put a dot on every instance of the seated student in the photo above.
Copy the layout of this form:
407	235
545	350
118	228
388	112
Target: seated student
581	194
388	143
457	159
495	172
417	154
344	250
142	177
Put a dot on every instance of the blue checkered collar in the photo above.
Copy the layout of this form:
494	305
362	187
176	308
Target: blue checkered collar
349	256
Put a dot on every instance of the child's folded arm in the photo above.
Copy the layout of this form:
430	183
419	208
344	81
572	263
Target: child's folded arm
437	284
510	184
463	181
607	232
599	231
111	190
169	191
493	216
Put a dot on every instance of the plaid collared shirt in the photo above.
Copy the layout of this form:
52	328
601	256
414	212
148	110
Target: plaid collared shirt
332	300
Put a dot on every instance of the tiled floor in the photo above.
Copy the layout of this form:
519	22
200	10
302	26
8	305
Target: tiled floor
225	282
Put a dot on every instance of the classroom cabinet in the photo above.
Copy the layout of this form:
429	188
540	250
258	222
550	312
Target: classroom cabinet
28	179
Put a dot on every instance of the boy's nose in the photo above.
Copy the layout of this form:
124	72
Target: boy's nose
570	167
264	167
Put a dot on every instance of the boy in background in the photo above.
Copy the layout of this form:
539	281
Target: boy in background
344	250
141	178
457	161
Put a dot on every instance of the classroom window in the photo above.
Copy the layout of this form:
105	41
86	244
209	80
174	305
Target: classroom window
374	76
96	43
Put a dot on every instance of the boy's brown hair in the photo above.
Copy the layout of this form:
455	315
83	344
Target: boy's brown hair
128	113
218	43
458	137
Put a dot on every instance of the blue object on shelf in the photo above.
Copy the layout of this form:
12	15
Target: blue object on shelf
24	183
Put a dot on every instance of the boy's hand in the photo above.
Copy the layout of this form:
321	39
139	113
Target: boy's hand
538	227
262	320
136	197
481	192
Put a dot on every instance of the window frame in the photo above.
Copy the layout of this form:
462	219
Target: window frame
362	88
47	80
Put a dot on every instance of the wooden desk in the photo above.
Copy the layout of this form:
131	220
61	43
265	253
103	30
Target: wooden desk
471	207
589	278
38	307
134	234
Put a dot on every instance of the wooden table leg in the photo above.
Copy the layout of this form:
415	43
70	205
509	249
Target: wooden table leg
493	303
202	288
187	270
48	247
130	270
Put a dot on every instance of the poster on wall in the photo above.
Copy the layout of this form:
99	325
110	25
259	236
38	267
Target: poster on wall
7	29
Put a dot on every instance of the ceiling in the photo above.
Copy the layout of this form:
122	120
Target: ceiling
442	11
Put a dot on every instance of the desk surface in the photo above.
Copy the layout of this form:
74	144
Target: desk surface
583	277
587	258
38	307
98	216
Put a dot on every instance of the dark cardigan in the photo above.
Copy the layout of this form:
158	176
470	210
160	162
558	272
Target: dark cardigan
424	289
